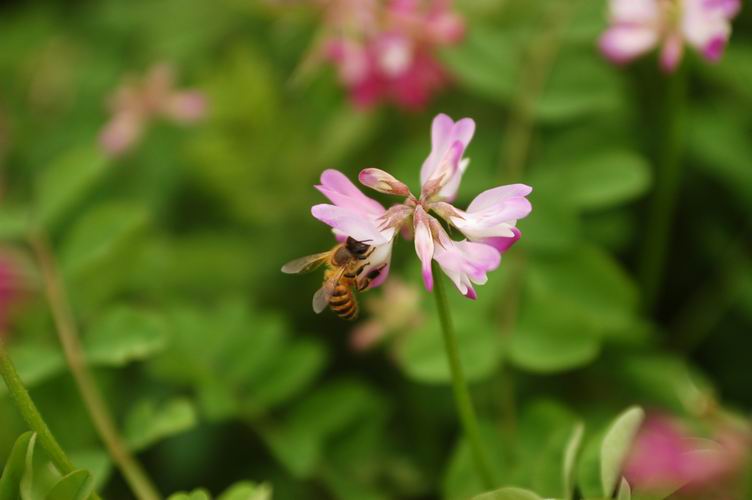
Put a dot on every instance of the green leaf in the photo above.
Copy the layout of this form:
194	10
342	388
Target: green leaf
14	223
67	181
570	460
122	335
591	284
599	181
150	422
199	494
616	445
508	493
246	490
580	84
35	362
27	479
485	63
99	233
77	485
719	145
625	492
15	466
294	370
461	479
561	339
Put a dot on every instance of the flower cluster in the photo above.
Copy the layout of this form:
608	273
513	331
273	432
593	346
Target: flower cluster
385	50
488	224
638	26
666	457
135	103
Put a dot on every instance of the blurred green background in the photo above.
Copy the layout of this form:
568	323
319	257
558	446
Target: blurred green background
213	362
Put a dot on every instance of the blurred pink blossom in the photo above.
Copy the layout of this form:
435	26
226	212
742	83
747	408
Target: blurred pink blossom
638	26
488	224
135	103
667	457
12	285
386	50
396	310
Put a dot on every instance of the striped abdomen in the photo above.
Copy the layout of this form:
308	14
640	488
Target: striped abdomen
343	301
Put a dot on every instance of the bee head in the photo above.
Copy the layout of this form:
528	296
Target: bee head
357	247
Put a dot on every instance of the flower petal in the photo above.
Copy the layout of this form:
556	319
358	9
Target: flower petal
466	263
502	243
351	223
424	244
383	182
444	134
494	213
343	193
623	42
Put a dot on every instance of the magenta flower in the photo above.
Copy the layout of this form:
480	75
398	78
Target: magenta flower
385	50
666	457
638	26
488	225
11	285
135	103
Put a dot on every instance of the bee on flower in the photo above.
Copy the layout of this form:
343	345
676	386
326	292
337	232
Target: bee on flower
488	225
639	26
137	102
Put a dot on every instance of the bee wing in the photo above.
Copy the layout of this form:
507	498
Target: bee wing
323	294
305	264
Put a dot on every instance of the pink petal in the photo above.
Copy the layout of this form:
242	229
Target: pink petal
714	48
424	245
621	43
350	223
493	214
671	54
185	107
503	243
337	187
121	132
444	134
383	182
466	263
497	198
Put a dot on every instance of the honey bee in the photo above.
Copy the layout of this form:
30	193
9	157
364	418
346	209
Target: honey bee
345	264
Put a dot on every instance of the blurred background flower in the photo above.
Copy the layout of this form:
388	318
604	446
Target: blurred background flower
385	51
667	458
137	102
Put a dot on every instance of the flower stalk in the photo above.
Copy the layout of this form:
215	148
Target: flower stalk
32	417
459	385
667	180
132	471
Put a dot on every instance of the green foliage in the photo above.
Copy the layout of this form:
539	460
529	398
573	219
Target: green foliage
28	475
213	363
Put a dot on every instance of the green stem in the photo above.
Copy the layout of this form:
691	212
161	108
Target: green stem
32	417
461	393
67	331
667	181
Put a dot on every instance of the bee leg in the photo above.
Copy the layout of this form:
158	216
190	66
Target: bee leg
367	254
357	272
372	275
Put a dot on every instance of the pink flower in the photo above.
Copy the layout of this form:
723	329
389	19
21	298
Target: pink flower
395	311
136	103
666	457
638	26
385	51
11	286
488	225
